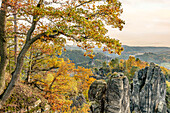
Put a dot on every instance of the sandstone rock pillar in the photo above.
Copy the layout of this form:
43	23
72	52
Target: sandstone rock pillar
149	91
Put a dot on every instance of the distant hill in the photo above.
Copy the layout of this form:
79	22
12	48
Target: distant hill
77	57
152	57
130	50
159	55
144	49
95	50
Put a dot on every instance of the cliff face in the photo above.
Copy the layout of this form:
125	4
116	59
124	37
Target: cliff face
117	95
148	91
147	94
111	96
96	96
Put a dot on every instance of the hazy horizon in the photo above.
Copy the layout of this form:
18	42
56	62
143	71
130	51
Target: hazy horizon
147	23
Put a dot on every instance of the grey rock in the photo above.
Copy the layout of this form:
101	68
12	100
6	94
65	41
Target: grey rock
78	101
148	91
111	96
117	95
96	96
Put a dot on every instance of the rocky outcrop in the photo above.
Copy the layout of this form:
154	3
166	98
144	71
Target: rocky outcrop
117	95
110	96
78	101
148	91
96	96
25	99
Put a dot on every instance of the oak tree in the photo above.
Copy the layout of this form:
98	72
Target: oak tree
81	21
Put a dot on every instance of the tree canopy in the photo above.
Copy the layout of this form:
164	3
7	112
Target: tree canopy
54	23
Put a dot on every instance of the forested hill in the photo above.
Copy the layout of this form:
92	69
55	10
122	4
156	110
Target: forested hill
77	57
159	55
132	49
145	49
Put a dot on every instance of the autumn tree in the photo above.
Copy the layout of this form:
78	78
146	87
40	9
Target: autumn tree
81	21
114	63
59	85
132	65
84	79
41	57
166	72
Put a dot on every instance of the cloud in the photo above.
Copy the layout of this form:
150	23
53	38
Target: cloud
147	23
144	1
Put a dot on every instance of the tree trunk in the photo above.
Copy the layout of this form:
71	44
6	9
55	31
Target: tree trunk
15	38
3	49
16	73
20	59
27	80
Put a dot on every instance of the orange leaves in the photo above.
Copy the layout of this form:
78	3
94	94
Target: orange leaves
60	85
133	62
64	49
104	49
82	76
91	56
80	21
99	45
65	82
165	71
85	54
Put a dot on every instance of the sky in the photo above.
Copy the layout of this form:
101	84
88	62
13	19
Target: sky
0	2
147	23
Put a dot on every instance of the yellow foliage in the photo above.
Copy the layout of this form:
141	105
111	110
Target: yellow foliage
50	73
59	85
168	83
83	109
165	70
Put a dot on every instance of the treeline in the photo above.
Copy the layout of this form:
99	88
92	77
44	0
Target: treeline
157	58
128	67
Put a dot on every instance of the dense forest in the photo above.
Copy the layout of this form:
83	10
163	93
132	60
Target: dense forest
77	57
39	72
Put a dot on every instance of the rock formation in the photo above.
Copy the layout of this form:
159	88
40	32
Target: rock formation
25	99
96	96
148	91
117	95
111	96
78	101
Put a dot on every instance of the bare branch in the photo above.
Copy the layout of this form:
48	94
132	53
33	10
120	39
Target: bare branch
20	33
53	81
49	69
16	19
27	19
83	3
53	36
10	45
